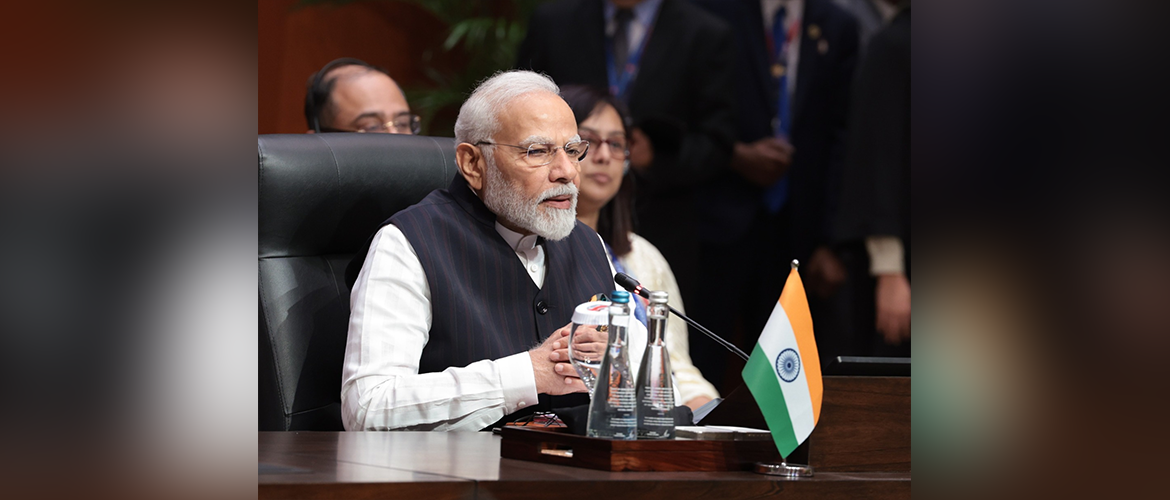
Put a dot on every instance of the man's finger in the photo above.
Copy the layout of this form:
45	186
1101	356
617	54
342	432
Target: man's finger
565	369
889	334
892	328
882	324
574	385
775	156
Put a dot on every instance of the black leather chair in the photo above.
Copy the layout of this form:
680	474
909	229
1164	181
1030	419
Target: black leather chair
321	197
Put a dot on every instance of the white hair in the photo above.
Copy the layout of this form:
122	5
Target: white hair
479	121
479	116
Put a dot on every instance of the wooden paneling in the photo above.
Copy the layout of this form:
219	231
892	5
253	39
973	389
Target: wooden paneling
864	425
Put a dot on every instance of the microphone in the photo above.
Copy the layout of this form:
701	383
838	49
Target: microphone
629	283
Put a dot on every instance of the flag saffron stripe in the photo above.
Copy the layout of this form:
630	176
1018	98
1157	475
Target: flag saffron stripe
760	378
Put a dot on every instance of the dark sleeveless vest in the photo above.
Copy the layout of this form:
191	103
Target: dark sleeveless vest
484	304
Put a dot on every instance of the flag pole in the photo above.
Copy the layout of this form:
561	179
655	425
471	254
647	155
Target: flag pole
783	468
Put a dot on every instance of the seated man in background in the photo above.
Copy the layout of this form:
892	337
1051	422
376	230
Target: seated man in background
455	291
350	95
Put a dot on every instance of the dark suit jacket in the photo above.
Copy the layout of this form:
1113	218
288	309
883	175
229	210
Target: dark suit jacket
819	111
877	188
682	98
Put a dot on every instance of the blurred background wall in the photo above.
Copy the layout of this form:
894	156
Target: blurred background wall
435	50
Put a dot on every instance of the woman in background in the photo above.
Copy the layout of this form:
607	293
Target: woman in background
605	203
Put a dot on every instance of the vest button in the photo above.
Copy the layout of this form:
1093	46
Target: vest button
541	307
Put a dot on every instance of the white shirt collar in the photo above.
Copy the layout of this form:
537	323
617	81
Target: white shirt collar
519	242
769	8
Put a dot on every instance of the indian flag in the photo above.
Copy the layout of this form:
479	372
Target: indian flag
784	372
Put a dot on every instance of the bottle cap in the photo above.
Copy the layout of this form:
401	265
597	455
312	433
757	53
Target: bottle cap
592	313
620	297
658	297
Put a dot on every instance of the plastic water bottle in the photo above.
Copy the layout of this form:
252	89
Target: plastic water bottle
655	382
613	410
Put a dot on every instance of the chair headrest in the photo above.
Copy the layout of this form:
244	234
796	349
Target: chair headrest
327	193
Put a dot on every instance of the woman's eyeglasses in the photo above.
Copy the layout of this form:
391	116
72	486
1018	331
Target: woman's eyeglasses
617	147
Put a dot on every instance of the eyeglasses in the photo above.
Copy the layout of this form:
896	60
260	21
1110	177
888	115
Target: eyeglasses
401	124
538	419
617	147
538	155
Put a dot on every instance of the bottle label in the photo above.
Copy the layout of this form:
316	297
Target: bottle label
658	398
658	421
621	398
623	423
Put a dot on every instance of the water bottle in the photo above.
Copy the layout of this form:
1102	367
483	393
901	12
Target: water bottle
612	410
655	382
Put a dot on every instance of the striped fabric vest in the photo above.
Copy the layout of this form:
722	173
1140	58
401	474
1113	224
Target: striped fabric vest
484	304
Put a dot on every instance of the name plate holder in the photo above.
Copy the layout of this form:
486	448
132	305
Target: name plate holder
678	454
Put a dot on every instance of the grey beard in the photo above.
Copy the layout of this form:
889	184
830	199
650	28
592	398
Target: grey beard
508	203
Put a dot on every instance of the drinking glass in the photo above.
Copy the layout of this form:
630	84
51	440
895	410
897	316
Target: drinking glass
588	338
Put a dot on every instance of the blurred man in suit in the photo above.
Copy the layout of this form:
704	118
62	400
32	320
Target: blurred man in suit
875	207
669	62
793	67
871	16
351	95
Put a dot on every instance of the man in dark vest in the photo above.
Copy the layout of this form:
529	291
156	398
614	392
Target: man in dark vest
457	290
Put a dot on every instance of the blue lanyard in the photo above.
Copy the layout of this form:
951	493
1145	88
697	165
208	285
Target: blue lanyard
777	194
780	58
619	82
639	306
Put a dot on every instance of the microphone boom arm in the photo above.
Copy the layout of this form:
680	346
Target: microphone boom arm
629	283
728	345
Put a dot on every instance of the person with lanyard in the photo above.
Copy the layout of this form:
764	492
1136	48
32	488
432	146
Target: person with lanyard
792	71
604	204
782	18
627	30
669	62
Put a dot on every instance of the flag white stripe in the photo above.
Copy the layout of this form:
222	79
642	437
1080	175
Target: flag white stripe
776	337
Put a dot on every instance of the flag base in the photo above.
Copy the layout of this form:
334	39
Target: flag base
783	469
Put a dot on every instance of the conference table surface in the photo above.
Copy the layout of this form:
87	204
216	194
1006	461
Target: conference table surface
468	465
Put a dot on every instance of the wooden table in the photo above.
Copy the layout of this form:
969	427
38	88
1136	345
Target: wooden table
423	465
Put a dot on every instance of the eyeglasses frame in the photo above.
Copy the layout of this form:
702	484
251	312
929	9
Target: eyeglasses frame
527	150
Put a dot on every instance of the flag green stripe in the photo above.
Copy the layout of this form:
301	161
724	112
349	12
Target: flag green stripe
761	379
